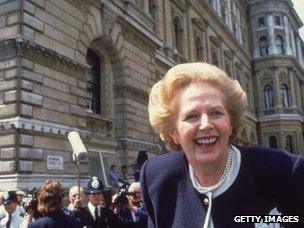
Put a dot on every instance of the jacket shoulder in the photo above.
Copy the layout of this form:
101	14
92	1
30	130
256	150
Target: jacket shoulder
169	164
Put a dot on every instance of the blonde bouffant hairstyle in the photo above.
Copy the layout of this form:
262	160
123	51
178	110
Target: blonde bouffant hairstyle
162	112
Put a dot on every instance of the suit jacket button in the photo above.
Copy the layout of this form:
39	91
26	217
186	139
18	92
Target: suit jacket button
206	201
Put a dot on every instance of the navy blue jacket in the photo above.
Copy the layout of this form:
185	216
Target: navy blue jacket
57	219
267	179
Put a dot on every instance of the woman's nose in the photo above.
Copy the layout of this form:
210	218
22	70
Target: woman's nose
204	122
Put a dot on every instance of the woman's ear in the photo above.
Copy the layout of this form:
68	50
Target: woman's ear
175	137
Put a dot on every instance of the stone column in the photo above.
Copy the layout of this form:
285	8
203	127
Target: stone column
276	87
145	5
271	36
287	37
293	45
221	56
218	7
299	47
292	89
229	14
255	41
239	26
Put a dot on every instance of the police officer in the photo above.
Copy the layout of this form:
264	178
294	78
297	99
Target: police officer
95	215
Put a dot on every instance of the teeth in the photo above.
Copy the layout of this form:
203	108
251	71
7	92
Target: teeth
206	141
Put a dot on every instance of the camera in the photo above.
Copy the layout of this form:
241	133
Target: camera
122	200
30	203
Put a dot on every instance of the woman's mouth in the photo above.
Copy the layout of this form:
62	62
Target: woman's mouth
204	141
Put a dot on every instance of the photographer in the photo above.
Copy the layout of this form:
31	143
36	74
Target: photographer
129	207
30	205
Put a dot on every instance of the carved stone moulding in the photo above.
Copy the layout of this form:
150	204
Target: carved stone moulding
138	41
100	125
129	91
39	126
200	23
134	144
45	56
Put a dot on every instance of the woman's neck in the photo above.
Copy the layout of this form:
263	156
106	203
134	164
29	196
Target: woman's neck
209	174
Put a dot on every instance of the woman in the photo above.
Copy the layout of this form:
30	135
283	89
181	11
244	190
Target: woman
50	206
197	108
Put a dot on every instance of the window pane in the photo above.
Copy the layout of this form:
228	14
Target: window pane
273	142
261	22
289	145
95	166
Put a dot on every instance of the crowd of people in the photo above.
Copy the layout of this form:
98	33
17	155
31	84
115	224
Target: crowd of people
119	205
90	207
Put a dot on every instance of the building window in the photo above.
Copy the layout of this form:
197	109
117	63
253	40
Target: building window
261	22
100	163
285	96
289	144
214	58
177	37
273	142
199	49
211	2
234	27
263	43
280	45
93	82
268	96
228	69
152	8
277	20
224	13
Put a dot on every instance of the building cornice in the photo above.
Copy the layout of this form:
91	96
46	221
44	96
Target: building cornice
135	144
280	117
22	47
39	126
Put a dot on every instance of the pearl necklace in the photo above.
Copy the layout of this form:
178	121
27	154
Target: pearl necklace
201	189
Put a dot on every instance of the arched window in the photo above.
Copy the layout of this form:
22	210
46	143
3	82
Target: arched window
268	96
93	82
263	44
284	95
177	37
289	144
273	142
199	48
280	45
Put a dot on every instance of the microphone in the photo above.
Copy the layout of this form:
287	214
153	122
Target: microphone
79	150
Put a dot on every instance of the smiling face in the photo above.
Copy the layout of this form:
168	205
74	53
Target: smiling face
203	126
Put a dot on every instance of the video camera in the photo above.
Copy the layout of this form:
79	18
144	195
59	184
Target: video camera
30	203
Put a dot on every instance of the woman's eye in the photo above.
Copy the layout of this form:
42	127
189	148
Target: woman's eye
191	117
216	113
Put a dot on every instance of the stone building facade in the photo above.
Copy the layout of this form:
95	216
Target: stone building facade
88	65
